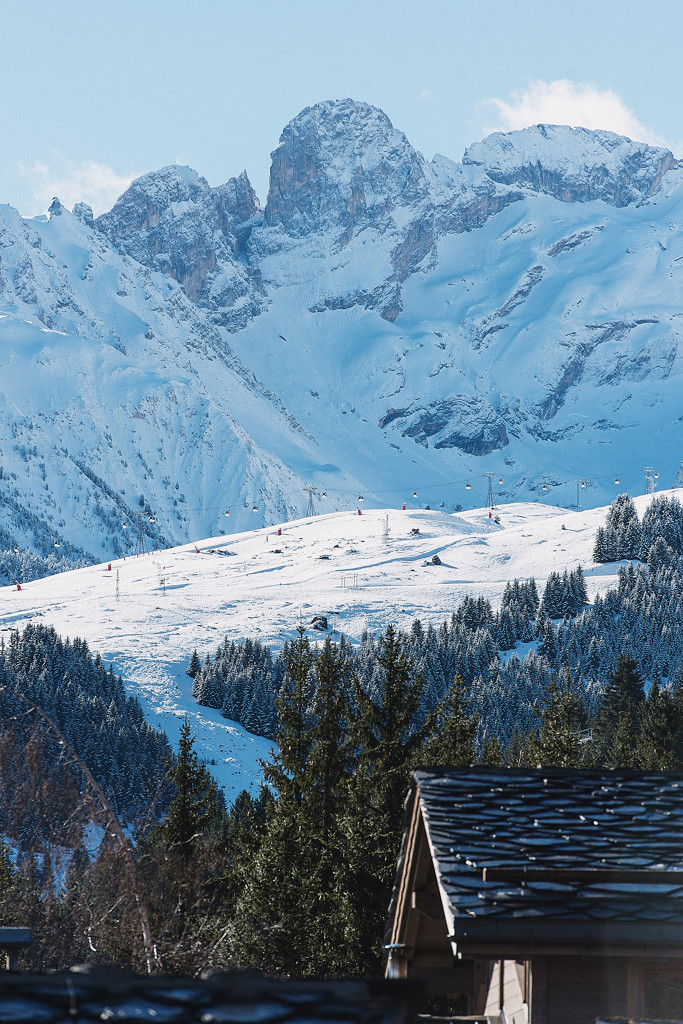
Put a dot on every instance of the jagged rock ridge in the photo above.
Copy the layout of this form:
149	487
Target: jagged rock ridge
383	320
173	222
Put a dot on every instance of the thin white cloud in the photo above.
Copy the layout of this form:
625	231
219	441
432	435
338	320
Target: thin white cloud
573	103
87	182
424	95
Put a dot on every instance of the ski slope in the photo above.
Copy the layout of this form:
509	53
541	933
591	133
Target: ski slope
146	614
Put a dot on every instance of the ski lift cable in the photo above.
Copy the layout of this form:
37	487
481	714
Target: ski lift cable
435	486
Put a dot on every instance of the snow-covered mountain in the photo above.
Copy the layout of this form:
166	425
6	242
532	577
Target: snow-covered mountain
146	615
383	325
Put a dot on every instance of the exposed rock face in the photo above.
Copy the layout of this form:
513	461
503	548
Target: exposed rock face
343	173
466	422
573	164
531	317
172	221
55	209
342	170
83	212
464	197
341	165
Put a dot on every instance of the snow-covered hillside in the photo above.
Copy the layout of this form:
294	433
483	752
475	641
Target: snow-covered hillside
382	324
147	614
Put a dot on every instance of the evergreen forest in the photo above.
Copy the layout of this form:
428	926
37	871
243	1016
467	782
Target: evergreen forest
158	875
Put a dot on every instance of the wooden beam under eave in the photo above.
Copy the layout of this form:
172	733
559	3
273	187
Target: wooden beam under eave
429	959
430	936
530	951
405	882
419	923
428	904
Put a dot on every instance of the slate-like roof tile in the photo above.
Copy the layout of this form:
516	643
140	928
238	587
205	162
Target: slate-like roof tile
555	822
101	994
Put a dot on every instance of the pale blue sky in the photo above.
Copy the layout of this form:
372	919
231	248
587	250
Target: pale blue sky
93	93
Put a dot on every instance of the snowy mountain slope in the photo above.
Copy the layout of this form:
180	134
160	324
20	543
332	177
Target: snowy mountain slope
116	387
573	164
262	584
384	325
538	342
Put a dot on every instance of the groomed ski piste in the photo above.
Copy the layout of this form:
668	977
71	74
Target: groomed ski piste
147	613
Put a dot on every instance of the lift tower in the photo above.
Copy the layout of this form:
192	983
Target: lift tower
310	511
490	500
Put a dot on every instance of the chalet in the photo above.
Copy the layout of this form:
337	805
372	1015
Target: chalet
542	896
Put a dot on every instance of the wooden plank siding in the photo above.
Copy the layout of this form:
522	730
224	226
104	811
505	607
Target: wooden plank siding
507	992
579	989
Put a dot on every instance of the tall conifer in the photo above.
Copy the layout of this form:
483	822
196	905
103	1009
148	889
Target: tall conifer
558	740
384	741
451	729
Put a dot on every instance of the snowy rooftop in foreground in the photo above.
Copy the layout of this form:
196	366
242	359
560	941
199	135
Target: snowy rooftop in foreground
263	584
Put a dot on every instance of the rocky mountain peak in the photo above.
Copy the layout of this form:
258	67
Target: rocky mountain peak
171	220
83	212
339	164
55	208
573	164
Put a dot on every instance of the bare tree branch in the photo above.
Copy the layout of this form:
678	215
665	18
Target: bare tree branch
113	823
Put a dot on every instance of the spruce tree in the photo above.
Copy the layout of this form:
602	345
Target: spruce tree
8	882
384	741
659	730
244	834
621	752
451	730
561	718
285	772
327	778
274	909
491	752
185	850
600	546
622	698
195	665
196	803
